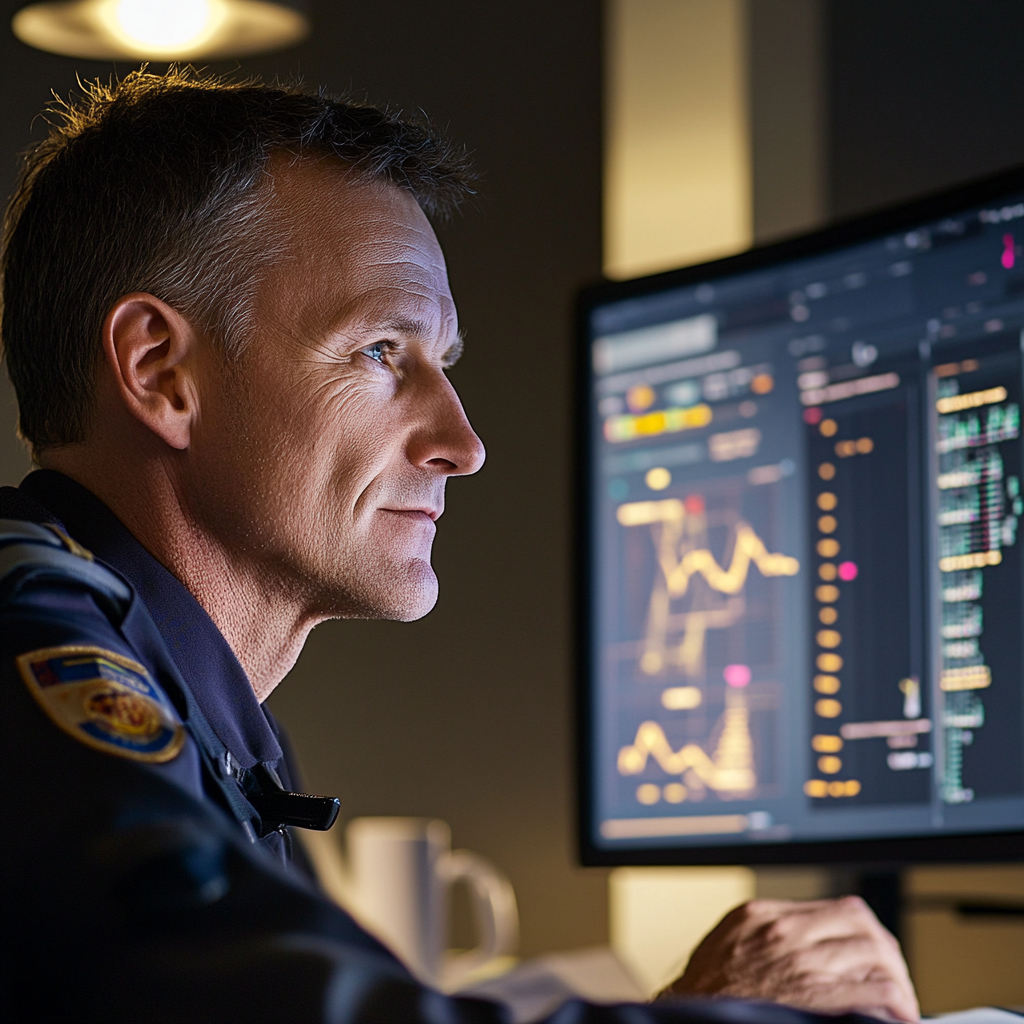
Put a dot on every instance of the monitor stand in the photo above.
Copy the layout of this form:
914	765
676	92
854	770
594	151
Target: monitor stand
881	889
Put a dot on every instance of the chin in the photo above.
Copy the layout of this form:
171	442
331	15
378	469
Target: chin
416	594
399	593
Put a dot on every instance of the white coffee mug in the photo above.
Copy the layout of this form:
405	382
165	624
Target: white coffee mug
400	873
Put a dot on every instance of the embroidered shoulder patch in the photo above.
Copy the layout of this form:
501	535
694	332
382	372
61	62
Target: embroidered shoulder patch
105	701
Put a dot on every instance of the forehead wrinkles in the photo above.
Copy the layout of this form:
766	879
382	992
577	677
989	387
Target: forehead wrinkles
352	244
393	261
396	296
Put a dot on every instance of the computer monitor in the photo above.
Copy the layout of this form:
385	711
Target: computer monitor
801	597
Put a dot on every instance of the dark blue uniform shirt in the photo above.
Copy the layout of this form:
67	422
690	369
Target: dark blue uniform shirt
142	878
208	667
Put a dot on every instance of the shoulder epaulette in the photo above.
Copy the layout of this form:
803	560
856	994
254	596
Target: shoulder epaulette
31	553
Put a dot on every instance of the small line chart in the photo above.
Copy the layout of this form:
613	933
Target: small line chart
729	771
696	662
676	628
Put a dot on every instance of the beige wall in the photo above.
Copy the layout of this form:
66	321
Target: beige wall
958	960
677	149
715	128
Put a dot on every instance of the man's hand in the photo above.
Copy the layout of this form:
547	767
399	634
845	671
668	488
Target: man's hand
830	956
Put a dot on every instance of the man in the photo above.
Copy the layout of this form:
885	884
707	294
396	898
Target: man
228	321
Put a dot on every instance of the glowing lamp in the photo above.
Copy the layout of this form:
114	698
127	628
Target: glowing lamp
160	29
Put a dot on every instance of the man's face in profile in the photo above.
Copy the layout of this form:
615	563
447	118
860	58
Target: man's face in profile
321	460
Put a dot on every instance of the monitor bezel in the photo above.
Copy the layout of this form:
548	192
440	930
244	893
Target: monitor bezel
975	846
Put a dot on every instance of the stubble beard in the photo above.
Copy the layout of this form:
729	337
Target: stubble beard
354	587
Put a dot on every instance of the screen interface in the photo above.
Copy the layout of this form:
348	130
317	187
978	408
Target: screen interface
807	601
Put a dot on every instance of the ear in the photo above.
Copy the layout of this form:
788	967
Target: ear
152	352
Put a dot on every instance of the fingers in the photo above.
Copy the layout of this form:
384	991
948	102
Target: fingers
826	955
855	957
852	971
821	921
839	937
882	997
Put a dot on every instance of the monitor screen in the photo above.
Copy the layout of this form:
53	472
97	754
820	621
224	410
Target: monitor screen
800	508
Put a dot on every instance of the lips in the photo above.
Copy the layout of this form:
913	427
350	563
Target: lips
415	514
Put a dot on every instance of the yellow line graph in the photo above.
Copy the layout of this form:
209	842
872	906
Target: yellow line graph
729	771
680	540
747	548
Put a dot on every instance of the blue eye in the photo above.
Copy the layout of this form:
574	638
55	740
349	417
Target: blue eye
376	351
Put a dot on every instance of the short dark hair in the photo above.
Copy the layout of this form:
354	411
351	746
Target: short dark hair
157	183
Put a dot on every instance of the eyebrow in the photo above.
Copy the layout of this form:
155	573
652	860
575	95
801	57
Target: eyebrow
454	353
402	325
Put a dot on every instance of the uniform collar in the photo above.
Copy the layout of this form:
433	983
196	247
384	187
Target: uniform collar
204	658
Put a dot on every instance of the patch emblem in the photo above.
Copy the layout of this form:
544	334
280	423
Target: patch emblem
105	701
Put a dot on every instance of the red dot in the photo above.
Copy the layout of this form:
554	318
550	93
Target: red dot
847	571
812	416
694	504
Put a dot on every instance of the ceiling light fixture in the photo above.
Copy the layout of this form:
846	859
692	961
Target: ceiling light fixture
160	29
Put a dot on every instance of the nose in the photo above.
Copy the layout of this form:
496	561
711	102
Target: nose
446	441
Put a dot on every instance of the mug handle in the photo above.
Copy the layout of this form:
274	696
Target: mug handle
494	908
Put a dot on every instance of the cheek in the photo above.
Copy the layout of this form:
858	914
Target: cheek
332	448
304	443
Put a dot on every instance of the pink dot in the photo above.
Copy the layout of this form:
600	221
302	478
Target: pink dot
812	416
847	571
1008	252
737	675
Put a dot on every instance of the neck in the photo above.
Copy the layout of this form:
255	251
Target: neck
264	626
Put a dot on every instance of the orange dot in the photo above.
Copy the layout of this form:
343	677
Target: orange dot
640	397
826	471
828	708
828	428
823	684
826	744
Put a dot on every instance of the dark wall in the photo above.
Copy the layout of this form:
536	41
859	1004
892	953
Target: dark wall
786	90
465	715
923	94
